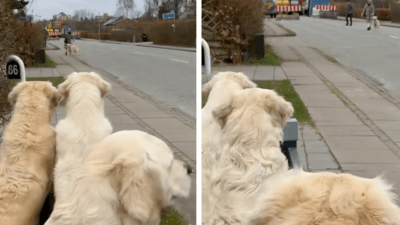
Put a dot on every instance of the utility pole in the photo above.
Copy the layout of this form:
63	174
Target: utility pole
99	26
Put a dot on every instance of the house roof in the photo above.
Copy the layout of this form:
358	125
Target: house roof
114	21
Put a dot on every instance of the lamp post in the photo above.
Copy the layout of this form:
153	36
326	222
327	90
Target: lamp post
99	25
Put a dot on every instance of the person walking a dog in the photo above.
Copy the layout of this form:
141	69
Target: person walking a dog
368	12
68	40
349	13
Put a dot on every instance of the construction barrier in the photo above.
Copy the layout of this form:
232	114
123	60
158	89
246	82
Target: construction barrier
326	7
293	8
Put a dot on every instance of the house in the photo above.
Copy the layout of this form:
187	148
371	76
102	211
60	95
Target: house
63	17
119	23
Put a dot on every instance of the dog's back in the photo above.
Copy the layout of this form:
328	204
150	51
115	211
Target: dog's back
27	156
83	128
328	198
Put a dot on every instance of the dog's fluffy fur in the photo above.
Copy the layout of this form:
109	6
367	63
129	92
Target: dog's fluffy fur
72	49
296	197
220	90
251	125
84	127
127	179
27	154
376	22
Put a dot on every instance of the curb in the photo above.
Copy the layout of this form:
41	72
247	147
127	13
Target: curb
361	20
151	45
54	47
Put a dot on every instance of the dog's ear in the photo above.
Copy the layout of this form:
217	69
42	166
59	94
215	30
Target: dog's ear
105	88
244	81
139	190
56	97
65	86
207	87
12	97
103	85
221	113
280	109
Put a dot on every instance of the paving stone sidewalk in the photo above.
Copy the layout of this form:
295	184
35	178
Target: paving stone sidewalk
128	108
357	123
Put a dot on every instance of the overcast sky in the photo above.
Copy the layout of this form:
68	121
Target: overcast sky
47	8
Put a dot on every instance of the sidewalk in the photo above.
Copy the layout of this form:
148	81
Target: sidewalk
357	124
128	108
146	44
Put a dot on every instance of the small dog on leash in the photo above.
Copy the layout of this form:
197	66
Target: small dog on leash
72	48
376	22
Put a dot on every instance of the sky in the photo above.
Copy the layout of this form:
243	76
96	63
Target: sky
47	8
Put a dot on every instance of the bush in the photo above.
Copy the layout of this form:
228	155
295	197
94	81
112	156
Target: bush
163	33
122	35
383	14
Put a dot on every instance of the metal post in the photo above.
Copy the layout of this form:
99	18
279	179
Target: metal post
21	66
207	56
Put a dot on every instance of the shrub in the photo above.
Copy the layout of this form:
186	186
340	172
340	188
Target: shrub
163	33
383	14
122	35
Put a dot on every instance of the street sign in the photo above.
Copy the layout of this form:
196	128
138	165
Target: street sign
13	70
167	16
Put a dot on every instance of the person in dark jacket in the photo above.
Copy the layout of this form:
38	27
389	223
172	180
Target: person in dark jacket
68	40
368	12
349	13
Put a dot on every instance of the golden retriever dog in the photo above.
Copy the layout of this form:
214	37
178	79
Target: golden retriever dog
72	49
376	22
28	153
128	179
83	128
251	124
220	90
296	197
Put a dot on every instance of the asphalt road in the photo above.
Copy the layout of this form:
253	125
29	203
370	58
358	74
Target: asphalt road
168	76
374	53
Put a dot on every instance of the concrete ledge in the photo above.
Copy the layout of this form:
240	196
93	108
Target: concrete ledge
328	14
294	16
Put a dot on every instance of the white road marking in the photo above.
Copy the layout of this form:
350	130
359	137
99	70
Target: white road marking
179	61
139	53
394	37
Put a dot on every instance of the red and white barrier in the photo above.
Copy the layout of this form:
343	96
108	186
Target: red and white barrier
326	7
293	8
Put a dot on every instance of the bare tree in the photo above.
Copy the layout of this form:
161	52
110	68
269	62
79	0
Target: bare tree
151	8
126	8
82	14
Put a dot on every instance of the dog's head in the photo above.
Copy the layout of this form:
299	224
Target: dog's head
84	82
37	92
238	78
252	129
144	173
257	107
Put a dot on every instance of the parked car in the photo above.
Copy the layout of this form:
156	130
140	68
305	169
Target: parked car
269	8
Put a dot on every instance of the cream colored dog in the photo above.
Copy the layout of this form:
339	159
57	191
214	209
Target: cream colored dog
127	180
27	154
296	198
220	90
251	124
376	22
84	127
72	49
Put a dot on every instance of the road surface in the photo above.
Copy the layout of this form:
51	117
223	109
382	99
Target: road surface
168	76
374	54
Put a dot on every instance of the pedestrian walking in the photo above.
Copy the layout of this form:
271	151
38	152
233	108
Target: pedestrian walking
368	12
68	40
349	13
